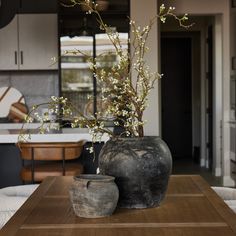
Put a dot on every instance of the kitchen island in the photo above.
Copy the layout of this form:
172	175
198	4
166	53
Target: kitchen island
10	161
62	135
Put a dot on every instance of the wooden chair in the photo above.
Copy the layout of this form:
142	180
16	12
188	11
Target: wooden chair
49	159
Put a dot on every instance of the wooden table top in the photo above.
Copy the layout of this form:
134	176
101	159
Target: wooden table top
191	207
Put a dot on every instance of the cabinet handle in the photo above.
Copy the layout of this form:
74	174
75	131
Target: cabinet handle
15	57
21	58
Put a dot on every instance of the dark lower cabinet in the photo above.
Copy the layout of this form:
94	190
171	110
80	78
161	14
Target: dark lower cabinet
10	163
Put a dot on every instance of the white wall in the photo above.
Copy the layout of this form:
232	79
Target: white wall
233	88
218	153
199	7
142	12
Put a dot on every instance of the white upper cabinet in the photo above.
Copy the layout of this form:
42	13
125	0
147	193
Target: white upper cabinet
29	42
38	41
8	46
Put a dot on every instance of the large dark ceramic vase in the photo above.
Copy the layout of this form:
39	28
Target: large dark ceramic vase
141	167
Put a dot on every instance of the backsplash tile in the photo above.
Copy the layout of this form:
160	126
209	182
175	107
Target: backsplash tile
32	100
4	80
36	86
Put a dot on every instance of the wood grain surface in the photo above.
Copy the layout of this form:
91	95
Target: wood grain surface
191	208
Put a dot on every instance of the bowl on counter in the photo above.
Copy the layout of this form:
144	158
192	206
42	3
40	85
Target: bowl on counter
73	86
79	86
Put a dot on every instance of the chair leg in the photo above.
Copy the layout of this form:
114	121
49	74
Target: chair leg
63	161
23	164
32	166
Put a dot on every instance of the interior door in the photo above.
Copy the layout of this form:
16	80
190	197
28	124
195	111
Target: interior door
176	57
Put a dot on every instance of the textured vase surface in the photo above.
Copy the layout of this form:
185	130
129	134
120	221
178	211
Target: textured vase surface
141	167
94	196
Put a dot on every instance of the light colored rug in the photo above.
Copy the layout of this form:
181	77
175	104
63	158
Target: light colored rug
228	195
12	198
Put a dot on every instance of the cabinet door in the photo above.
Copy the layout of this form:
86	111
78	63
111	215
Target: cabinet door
9	46
38	41
39	6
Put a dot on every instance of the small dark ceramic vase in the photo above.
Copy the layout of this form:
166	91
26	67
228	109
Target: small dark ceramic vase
94	196
141	167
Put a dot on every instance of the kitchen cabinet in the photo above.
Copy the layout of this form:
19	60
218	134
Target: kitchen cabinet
29	42
8	46
39	6
8	9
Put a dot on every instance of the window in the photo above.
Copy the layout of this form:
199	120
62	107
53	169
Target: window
80	32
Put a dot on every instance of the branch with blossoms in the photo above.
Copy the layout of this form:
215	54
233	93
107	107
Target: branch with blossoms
62	109
125	99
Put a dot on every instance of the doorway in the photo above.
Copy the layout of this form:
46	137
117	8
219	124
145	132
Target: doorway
205	50
176	87
209	99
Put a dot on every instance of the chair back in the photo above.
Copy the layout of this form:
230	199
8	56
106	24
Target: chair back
51	151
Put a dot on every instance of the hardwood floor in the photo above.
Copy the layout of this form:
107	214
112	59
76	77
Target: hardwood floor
187	166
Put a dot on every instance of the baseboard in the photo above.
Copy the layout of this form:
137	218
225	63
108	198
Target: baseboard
218	171
228	181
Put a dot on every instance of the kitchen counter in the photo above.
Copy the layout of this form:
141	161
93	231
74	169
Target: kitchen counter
19	125
11	162
64	135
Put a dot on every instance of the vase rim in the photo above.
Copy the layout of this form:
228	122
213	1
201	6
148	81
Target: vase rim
135	137
94	177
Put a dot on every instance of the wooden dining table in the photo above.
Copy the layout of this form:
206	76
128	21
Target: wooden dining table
190	207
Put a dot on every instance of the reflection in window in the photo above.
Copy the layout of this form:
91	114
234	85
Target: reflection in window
77	82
